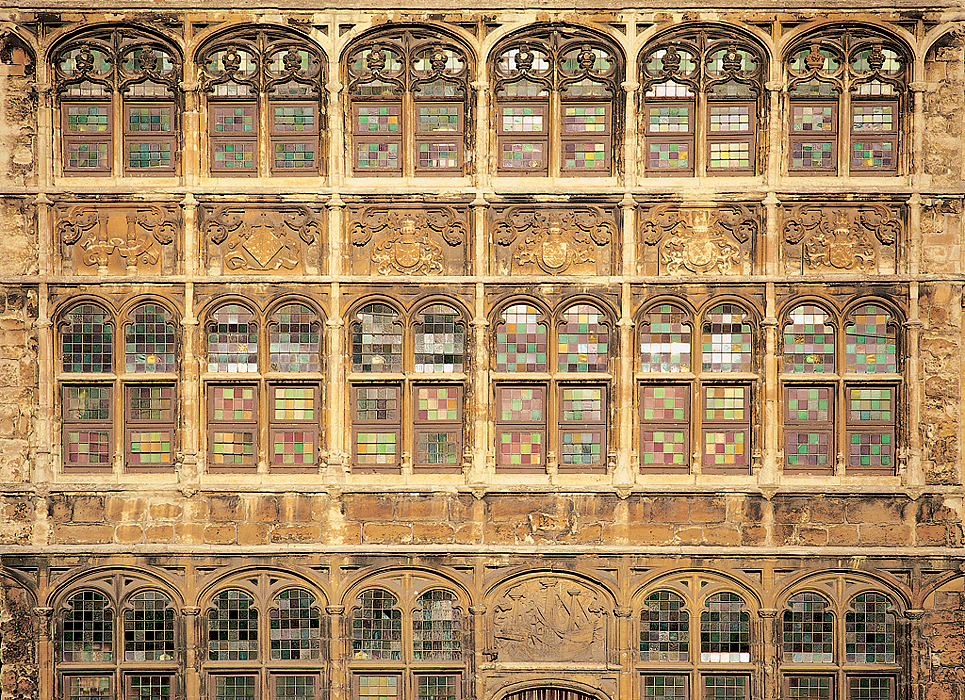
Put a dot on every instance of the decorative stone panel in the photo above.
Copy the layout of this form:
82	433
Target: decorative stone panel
243	238
408	241
941	235
716	239
841	238
555	241
118	239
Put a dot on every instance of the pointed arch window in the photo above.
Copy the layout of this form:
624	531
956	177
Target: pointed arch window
702	92
409	91
149	628
556	93
119	98
233	627
265	104
807	630
437	627
847	92
294	626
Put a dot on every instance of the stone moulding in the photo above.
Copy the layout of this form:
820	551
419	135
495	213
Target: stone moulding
258	239
555	241
845	238
408	241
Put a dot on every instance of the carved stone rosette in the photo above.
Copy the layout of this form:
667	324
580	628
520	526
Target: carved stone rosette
555	241
711	240
843	238
245	238
408	241
550	619
118	239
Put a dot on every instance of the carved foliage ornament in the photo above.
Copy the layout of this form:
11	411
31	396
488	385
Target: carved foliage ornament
555	240
550	619
841	238
700	240
405	242
148	226
262	239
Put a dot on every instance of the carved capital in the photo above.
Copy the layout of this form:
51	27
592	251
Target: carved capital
767	613
480	609
334	610
915	614
44	617
622	611
190	610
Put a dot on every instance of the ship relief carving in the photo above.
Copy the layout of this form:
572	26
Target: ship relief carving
550	619
841	239
118	239
699	240
262	239
556	241
410	241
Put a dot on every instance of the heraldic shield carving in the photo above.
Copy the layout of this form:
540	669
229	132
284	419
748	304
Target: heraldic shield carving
832	239
557	241
699	240
550	619
255	239
411	241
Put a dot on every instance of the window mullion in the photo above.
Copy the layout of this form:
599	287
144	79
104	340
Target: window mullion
117	132
845	135
554	130
410	121
701	146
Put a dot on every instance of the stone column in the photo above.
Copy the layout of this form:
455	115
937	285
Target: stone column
624	473
483	463
769	676
45	128
336	389
46	681
917	163
481	162
477	621
44	468
193	650
918	651
630	145
333	120
911	461
190	465
191	128
339	681
627	650
775	96
769	473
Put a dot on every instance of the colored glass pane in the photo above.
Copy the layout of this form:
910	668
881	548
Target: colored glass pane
725	635
664	629
521	342
150	341
440	340
233	627
807	630
232	340
377	340
87	633
294	633
437	627
726	340
87	340
377	627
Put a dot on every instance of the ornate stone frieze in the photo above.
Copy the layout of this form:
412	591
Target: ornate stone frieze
242	238
841	238
409	241
575	240
550	619
118	239
715	240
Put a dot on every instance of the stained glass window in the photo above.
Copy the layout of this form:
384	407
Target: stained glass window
521	342
293	425
233	629
808	429
294	340
809	688
149	687
583	340
232	340
235	687
88	688
377	627
725	630
664	629
87	340
440	340
232	426
436	687
665	340
583	414
88	628
87	426
295	627
870	630
808	341
870	688
298	687
726	428
150	341
665	427
437	627
521	427
377	340
149	628
871	429
726	687
378	425
807	630
870	342
377	687
438	425
665	687
726	340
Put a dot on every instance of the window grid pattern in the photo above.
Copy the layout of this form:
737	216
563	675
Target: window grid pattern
440	340
725	635
438	687
665	429
294	687
582	426
871	430
377	340
294	340
149	687
870	630
232	340
727	340
150	342
808	341
88	340
808	428
725	687
869	688
235	687
88	688
437	628
726	424
377	627
233	631
870	343
87	426
582	340
521	341
665	687
808	630
438	418
521	426
664	630
809	688
665	340
88	629
149	628
378	687
294	629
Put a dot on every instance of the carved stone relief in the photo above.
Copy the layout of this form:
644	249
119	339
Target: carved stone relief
408	241
122	239
941	239
713	240
840	239
550	619
244	238
576	240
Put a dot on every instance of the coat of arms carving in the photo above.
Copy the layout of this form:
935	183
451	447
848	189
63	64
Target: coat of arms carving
261	238
114	237
842	239
550	619
555	240
407	240
699	240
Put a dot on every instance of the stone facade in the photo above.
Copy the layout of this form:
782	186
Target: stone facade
481	352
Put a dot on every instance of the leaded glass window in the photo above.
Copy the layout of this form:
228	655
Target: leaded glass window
725	626
727	340
293	425
521	427
88	426
150	341
141	686
224	687
807	630
870	630
809	346
302	687
665	339
377	627
377	340
294	630
726	687
87	632
294	340
149	632
88	687
232	340
521	340
438	426
870	341
232	427
582	428
440	340
726	424
437	632
665	687
87	340
664	633
233	629
665	427
583	340
809	429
